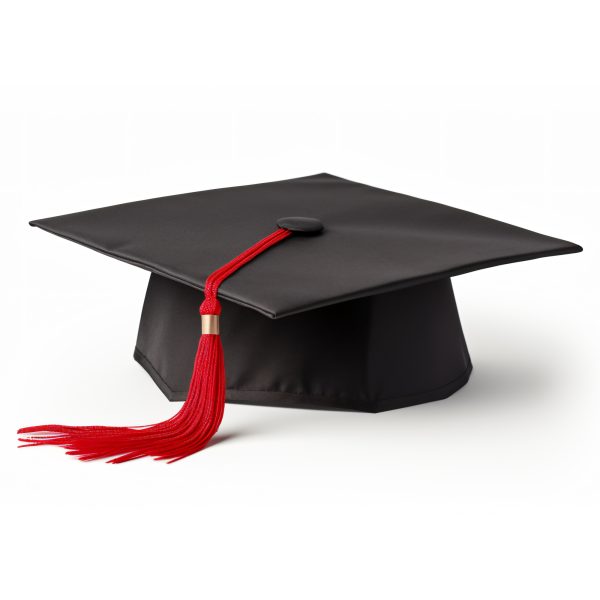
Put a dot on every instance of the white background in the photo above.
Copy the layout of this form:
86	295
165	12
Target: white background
490	107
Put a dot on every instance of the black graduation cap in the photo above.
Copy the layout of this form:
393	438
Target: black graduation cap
348	306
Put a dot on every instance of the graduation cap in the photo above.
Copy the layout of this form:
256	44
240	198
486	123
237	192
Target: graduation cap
345	302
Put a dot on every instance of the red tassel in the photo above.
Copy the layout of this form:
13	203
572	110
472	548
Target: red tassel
197	421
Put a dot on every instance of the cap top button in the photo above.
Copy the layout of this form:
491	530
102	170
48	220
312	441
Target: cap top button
306	225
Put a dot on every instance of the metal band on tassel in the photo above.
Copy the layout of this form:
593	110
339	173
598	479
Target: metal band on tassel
210	324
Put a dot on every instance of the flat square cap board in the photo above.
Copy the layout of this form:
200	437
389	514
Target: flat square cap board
344	302
376	241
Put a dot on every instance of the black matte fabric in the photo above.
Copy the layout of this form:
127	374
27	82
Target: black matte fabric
375	241
370	354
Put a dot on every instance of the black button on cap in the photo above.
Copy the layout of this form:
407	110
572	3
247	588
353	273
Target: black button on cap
306	225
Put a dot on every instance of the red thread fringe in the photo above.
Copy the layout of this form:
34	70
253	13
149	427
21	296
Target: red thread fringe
188	431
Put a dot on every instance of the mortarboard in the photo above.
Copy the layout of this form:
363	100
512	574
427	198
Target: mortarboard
345	304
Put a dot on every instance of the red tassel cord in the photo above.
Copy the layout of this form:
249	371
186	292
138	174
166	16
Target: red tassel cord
197	421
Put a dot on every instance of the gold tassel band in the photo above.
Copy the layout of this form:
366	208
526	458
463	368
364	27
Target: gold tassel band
210	324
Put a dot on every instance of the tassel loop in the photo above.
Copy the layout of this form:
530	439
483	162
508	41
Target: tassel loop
210	306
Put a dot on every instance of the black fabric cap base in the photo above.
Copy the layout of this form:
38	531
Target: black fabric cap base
371	354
